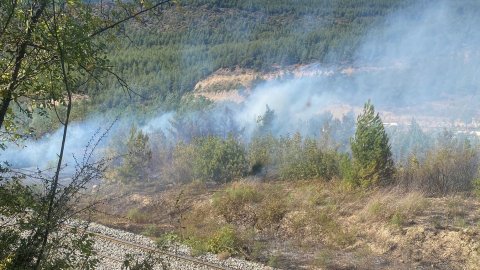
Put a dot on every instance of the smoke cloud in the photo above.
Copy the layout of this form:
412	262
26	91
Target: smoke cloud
421	62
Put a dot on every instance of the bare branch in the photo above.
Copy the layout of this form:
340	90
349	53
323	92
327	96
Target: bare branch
101	30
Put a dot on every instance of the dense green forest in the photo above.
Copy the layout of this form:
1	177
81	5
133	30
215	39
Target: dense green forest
163	57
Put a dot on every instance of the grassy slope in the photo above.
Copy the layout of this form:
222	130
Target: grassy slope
310	224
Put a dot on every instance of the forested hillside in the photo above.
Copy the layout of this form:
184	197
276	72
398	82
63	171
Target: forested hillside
163	57
105	116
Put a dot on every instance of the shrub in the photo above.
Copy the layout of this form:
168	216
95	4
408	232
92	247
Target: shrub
224	240
166	240
232	202
347	171
395	209
272	209
397	219
137	216
210	159
302	159
450	167
182	162
261	154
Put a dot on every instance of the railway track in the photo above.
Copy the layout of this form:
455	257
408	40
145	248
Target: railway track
139	248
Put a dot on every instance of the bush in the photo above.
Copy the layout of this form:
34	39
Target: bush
210	159
347	171
302	159
224	240
180	170
137	216
450	167
395	209
166	240
261	154
272	209
232	203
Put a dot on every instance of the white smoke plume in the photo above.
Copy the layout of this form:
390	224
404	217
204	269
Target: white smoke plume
423	61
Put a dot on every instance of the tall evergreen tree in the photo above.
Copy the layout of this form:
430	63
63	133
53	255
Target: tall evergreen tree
372	156
136	162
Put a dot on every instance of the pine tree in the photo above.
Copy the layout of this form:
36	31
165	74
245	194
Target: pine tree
372	156
136	163
265	121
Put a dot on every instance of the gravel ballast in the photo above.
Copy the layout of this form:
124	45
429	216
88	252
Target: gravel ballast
111	253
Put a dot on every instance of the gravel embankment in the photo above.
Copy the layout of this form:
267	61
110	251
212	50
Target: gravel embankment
109	250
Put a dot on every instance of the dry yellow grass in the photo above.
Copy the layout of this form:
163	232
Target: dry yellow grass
319	225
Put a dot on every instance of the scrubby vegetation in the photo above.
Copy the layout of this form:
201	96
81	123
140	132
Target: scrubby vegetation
449	163
313	223
338	194
238	196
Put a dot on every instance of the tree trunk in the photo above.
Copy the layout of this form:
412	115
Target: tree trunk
22	49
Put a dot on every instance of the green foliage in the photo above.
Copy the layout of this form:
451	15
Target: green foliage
167	240
347	170
302	159
136	162
23	209
224	240
372	156
15	199
50	52
261	153
398	219
166	58
42	38
211	159
150	261
219	160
